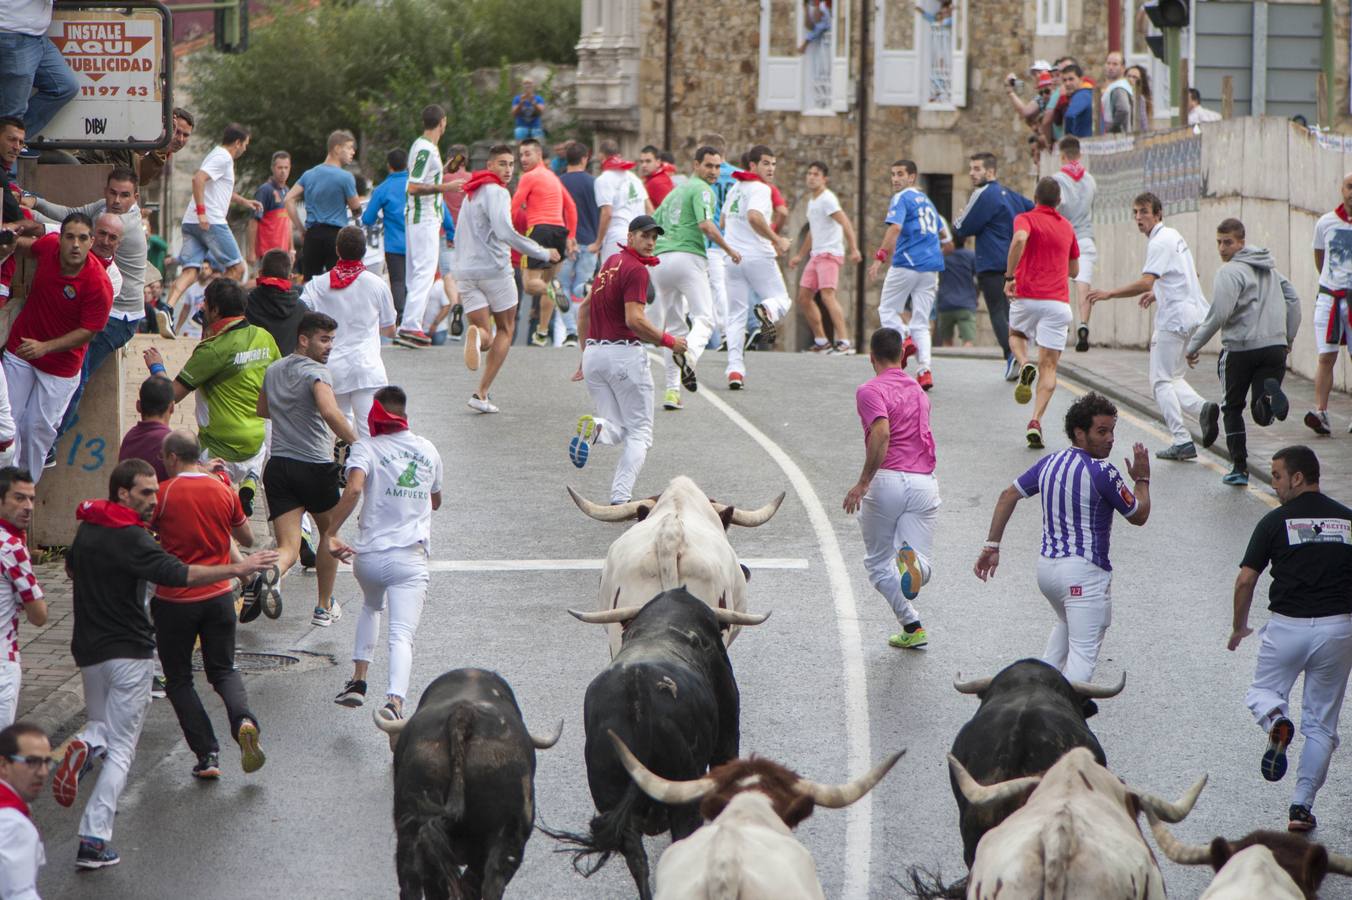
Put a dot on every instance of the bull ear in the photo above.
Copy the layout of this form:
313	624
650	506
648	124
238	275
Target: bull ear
725	515
643	509
746	572
1221	851
1315	866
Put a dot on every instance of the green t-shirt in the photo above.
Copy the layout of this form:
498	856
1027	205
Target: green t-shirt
156	249
680	216
228	369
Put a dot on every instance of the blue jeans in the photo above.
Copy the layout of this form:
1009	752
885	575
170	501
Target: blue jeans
112	338
27	62
574	274
529	131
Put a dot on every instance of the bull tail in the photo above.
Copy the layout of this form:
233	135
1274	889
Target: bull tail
1058	848
432	823
670	543
458	730
922	884
608	834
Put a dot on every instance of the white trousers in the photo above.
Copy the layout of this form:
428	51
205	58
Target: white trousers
117	695
6	414
757	275
718	286
356	405
682	284
10	678
422	253
900	285
1322	649
899	508
397	579
1081	596
38	401
1173	395
621	386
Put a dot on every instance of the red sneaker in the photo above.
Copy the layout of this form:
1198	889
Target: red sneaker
734	381
907	351
66	781
1034	434
925	379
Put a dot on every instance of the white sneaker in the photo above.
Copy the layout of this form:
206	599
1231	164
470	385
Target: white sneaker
335	611
484	405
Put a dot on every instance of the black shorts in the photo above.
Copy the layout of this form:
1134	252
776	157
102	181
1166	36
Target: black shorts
319	252
294	484
551	237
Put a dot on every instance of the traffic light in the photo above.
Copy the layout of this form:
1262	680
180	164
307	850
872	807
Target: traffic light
232	26
1167	13
1156	44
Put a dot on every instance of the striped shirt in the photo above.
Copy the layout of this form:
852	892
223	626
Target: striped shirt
18	587
1079	494
424	167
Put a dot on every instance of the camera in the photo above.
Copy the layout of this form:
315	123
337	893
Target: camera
1014	83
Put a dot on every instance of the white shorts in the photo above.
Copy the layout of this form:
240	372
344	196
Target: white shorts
1088	256
10	677
497	293
1045	322
1330	323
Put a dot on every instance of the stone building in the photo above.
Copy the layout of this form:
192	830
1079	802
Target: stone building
890	81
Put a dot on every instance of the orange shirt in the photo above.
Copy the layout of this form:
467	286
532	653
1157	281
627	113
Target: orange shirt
545	200
194	516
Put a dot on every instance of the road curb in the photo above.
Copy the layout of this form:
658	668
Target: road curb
58	712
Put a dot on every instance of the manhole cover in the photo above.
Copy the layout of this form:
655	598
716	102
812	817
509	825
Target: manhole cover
253	661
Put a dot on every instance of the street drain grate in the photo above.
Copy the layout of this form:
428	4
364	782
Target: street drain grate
263	663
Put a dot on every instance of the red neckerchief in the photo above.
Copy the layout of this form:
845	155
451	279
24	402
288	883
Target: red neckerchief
747	176
281	284
10	799
646	260
105	262
221	324
108	514
615	163
14	531
1075	169
381	421
481	178
665	169
345	272
1342	213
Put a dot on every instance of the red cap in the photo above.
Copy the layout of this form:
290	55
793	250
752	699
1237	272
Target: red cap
1045	79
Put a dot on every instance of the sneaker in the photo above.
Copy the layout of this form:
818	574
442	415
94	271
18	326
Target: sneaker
1211	423
335	611
672	399
49	462
389	712
473	352
164	324
255	592
1082	339
1299	818
352	695
767	324
1236	477
912	578
570	340
750	340
251	756
1033	434
414	336
1280	734
1277	400
925	380
74	765
481	404
539	340
1023	391
1317	420
723	345
908	640
735	381
579	448
1178	452
559	296
907	350
842	348
208	766
457	320
822	348
248	489
321	617
95	854
157	688
688	380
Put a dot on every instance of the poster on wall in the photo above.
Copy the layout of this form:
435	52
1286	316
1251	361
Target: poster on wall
121	56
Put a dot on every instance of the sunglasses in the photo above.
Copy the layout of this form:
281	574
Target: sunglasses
1045	91
36	762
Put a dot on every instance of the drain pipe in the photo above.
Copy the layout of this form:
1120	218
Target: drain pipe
666	76
861	187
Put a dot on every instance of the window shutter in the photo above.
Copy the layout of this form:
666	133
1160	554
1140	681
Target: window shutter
781	77
896	70
959	89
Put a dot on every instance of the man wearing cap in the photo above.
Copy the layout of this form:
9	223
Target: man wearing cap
614	365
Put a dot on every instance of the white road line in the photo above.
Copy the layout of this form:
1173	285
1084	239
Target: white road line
573	565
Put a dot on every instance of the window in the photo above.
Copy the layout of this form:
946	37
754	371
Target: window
1051	17
813	80
920	54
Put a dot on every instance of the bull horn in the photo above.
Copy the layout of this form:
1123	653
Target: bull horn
975	686
836	796
1173	812
1098	691
1339	864
391	728
732	617
544	743
621	512
979	794
655	786
750	518
606	616
1176	850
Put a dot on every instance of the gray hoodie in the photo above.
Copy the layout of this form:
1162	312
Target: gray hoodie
485	238
1252	305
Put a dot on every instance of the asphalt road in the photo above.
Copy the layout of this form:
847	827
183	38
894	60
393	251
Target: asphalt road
822	692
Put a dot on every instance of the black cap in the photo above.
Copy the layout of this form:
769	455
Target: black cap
644	223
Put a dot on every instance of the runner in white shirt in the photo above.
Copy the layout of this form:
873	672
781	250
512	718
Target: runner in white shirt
25	760
1169	280
362	305
1333	259
620	196
19	589
828	230
747	214
400	475
422	226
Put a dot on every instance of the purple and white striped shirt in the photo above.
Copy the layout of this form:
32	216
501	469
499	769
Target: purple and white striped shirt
1079	494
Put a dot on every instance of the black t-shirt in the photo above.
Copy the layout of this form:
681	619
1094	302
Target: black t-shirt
1308	540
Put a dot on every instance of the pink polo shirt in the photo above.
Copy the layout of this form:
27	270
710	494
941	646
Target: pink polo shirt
900	398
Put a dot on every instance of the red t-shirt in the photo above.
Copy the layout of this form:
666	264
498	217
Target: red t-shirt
1044	268
58	305
623	279
195	514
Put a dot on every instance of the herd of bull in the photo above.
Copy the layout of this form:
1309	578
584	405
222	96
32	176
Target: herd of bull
1040	814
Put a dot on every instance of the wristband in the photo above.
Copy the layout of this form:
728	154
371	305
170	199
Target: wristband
991	545
1142	480
881	255
157	368
1009	278
667	340
201	209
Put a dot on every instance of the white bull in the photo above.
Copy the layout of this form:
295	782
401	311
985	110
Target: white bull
1075	836
680	540
1252	872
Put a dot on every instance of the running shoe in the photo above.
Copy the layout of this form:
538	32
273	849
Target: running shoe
1211	423
1178	452
925	379
1082	339
251	756
1033	434
1317	420
157	688
688	380
414	336
335	611
95	854
473	352
842	348
1011	369
307	549
823	348
912	578
254	594
481	404
723	345
1023	391
735	381
570	340
389	712
1236	477
248	489
908	640
1277	400
321	617
1299	818
50	461
559	296
579	448
539	340
352	695
74	765
164	324
208	767
908	350
1280	734
752	334
672	399
457	320
768	331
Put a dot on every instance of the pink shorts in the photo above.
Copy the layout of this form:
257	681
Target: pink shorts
822	272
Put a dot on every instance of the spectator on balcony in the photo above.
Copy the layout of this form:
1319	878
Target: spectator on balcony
35	81
1119	99
816	46
1197	113
1079	114
527	109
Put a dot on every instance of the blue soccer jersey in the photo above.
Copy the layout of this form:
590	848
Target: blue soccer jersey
918	243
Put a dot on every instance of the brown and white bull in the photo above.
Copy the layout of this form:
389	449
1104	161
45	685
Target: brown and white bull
746	849
1075	836
679	539
1274	865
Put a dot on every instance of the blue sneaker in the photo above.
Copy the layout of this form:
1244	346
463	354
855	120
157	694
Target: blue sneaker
579	448
1011	368
908	564
1273	765
95	854
1236	477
